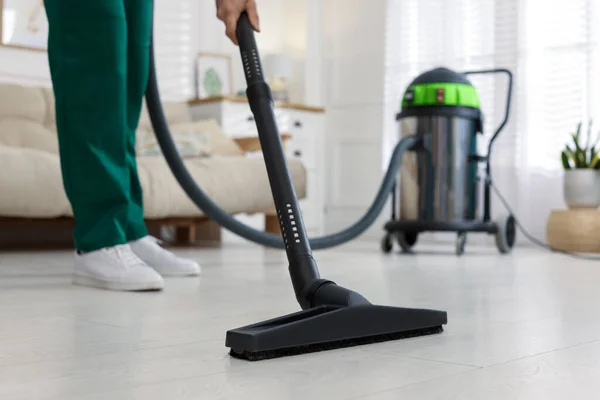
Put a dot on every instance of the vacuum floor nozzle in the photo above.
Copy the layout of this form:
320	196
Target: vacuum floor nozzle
331	327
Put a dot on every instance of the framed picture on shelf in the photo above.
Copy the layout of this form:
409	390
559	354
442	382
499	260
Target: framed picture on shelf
23	24
213	75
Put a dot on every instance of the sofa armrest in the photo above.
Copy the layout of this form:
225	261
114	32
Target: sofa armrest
252	143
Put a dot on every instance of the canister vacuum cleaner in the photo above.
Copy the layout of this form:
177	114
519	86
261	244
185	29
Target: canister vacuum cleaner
439	182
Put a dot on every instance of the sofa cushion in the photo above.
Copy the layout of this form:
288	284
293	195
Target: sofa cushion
50	121
237	184
190	144
22	102
175	113
220	143
27	134
31	184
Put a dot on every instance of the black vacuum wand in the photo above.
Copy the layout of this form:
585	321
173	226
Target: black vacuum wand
332	316
310	289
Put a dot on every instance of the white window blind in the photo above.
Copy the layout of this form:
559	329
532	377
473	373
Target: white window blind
557	65
173	21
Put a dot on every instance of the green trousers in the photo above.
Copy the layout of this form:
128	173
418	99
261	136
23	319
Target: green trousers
99	56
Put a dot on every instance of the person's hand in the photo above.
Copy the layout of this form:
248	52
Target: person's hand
229	12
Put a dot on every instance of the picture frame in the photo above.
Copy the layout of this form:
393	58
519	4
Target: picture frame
23	25
213	75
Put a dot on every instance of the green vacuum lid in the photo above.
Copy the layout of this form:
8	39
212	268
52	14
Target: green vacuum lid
441	87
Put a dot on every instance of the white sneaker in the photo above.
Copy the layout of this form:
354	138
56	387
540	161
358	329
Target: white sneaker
162	260
115	268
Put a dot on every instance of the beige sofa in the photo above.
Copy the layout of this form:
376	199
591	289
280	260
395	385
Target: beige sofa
31	185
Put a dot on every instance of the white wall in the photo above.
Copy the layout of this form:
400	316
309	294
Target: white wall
210	33
295	44
287	26
353	81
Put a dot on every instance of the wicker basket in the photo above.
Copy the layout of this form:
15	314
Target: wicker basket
575	230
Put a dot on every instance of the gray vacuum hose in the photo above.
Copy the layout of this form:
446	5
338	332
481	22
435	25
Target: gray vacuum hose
212	210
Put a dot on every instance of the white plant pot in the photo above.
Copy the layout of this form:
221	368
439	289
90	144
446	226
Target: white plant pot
581	188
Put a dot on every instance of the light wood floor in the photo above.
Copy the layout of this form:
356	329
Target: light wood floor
524	326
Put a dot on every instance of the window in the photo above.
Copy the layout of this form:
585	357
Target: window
557	66
173	48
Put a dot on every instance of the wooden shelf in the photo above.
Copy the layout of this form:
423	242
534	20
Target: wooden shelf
576	230
240	99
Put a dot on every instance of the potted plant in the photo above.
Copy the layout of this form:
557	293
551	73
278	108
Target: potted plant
581	161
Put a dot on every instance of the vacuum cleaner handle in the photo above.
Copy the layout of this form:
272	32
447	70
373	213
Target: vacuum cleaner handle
508	99
249	51
303	268
487	213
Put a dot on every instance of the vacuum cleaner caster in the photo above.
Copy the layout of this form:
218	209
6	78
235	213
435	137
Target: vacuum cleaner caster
461	241
506	233
406	240
387	244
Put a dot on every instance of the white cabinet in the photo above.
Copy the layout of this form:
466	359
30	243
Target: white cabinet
306	126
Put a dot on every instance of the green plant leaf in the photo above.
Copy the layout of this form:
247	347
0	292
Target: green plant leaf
576	141
565	160
595	161
580	154
575	136
596	141
571	156
570	153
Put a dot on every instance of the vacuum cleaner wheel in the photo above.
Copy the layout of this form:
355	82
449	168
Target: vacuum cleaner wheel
506	233
461	242
406	240
387	243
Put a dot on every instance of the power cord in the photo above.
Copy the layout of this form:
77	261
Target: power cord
531	237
